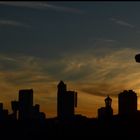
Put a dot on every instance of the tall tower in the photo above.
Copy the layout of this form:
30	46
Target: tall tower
108	102
25	104
66	102
61	98
62	88
106	113
109	110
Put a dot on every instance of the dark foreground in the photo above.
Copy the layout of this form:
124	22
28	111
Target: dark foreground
82	127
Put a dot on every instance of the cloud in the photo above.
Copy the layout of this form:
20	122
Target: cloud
102	75
12	23
95	72
24	72
105	40
122	23
84	72
60	8
42	6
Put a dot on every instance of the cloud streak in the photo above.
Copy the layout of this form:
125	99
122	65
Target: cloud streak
85	67
108	74
106	40
122	23
41	6
85	73
13	23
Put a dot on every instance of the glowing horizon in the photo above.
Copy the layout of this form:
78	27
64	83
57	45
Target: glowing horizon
91	46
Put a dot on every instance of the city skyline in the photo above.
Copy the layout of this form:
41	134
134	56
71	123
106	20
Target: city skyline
25	107
26	120
89	45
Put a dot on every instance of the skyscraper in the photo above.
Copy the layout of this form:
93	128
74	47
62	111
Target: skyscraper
25	104
66	101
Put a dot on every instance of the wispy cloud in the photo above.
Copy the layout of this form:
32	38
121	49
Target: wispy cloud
89	75
60	8
96	74
108	74
122	23
13	23
105	40
17	74
42	6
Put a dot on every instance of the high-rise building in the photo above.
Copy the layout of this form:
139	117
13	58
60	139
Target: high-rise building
127	101
25	104
66	101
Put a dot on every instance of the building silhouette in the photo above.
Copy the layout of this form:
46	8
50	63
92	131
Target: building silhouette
66	102
107	111
36	114
26	120
25	104
127	102
1	112
15	108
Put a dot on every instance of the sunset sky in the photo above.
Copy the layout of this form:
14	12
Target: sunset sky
89	45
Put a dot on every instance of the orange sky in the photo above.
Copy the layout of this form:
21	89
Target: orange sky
90	46
87	103
109	75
